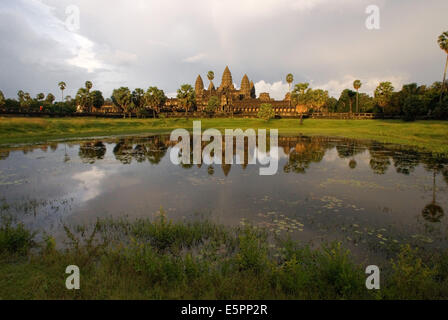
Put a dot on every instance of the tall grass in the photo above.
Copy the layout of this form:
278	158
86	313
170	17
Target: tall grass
143	259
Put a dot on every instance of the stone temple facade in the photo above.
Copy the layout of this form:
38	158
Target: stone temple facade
238	101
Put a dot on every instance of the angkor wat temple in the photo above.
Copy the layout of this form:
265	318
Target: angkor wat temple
236	101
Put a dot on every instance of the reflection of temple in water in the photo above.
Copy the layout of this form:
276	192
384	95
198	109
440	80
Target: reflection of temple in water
299	151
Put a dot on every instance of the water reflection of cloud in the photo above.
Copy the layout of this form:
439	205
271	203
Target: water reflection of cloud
90	181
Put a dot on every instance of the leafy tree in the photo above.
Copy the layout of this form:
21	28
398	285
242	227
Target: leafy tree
96	99
412	107
138	100
345	102
24	99
357	84
383	94
21	96
122	98
317	98
62	87
88	85
155	98
443	43
441	109
2	100
300	94
186	97
266	112
83	99
366	103
40	96
212	105
12	104
331	104
50	98
27	101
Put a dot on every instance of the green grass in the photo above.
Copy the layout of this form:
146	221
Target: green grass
143	259
428	135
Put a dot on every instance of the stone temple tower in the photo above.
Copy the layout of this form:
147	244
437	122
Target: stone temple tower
226	82
245	87
199	86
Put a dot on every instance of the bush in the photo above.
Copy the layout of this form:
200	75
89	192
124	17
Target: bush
413	106
441	109
212	105
15	239
266	112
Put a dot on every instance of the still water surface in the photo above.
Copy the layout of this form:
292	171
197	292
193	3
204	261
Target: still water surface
368	195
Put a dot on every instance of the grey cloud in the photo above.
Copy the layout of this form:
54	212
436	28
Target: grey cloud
142	43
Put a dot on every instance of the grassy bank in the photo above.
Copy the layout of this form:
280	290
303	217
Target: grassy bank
430	135
119	259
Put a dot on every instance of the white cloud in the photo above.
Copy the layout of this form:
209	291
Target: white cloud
139	43
276	90
89	183
196	58
335	87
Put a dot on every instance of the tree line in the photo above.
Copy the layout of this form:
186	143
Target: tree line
410	102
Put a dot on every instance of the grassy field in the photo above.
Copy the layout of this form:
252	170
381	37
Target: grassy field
429	135
159	259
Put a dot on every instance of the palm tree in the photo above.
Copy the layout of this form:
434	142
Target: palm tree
443	43
210	76
289	79
186	97
62	86
89	86
433	212
357	84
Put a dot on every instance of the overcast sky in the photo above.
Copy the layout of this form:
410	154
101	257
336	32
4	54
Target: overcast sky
142	43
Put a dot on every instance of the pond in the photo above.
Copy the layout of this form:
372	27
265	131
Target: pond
371	196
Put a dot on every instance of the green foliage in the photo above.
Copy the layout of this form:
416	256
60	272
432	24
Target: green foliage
96	98
15	239
88	85
155	98
252	254
138	98
383	93
345	102
163	259
441	109
122	98
300	94
413	106
212	105
266	112
313	99
186	96
83	99
11	104
2	100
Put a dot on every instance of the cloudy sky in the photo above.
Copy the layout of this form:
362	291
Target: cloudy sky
141	43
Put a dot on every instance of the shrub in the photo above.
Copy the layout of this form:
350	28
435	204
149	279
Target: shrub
266	112
15	239
413	106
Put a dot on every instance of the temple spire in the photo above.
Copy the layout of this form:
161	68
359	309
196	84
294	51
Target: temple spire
199	85
226	81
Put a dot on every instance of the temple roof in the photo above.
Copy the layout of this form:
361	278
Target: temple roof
245	85
199	85
226	81
211	86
